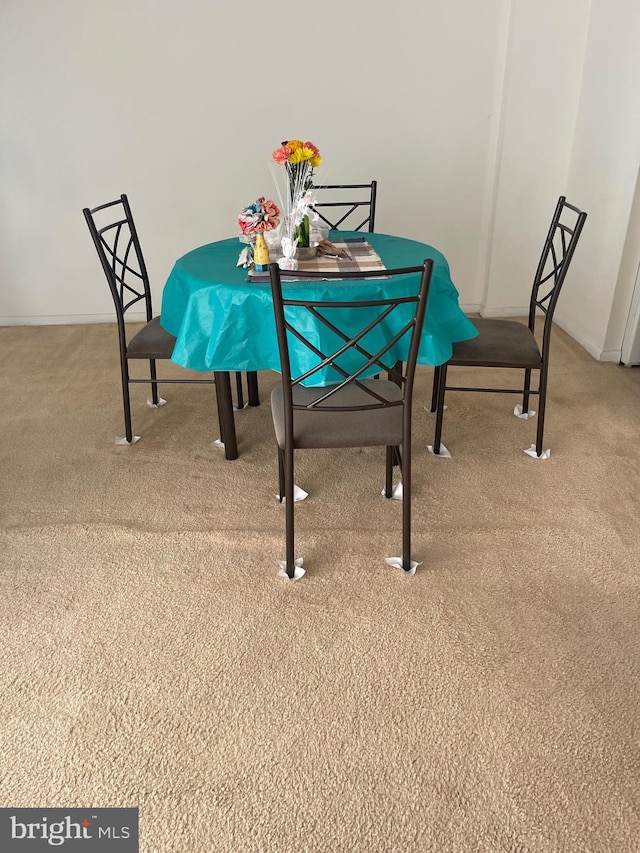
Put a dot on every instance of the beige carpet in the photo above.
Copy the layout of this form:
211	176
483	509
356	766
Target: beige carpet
151	656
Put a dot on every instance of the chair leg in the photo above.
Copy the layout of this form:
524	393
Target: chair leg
434	389
542	404
280	474
126	399
289	507
406	506
154	382
525	391
252	388
442	381
388	482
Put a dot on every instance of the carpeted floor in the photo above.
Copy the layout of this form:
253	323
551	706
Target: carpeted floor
151	657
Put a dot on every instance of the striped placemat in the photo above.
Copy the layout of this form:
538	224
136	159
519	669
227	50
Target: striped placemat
363	258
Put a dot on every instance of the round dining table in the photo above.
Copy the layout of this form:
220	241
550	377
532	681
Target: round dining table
223	320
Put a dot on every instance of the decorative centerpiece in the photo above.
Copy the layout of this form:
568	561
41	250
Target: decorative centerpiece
261	216
299	159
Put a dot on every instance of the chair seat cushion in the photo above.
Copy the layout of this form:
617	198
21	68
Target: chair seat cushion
152	341
317	429
500	343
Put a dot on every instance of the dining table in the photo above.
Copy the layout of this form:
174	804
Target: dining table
221	314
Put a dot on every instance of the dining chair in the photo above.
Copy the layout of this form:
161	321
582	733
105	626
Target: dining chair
342	212
352	411
511	344
116	240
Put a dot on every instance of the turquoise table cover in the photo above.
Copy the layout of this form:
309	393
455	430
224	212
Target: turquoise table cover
222	322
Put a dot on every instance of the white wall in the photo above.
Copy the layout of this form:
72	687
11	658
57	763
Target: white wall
542	77
473	117
630	272
570	126
603	173
180	105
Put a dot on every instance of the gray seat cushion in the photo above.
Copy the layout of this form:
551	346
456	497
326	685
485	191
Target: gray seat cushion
319	429
500	343
152	341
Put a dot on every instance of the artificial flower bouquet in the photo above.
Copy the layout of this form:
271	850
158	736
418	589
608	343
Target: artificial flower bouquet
261	216
299	159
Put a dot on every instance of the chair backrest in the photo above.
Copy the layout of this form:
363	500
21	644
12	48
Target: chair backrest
562	239
116	240
354	355
340	211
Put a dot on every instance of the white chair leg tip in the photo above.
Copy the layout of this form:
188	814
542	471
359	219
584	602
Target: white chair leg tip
298	495
525	416
121	440
396	492
396	563
443	454
157	405
531	451
298	571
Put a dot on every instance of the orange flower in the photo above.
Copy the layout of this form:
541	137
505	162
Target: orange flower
282	154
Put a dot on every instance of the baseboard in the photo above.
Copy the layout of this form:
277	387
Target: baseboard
596	351
69	319
521	311
469	308
611	355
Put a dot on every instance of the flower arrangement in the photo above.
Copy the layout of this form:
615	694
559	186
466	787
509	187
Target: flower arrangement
262	215
299	159
257	218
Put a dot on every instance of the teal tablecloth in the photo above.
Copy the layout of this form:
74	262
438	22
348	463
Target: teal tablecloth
222	322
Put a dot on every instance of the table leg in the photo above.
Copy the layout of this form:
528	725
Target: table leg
225	415
252	388
239	392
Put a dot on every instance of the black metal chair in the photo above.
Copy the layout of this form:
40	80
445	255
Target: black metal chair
116	240
343	213
354	411
511	344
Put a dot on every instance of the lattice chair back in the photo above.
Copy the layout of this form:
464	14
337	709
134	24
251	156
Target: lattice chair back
559	246
116	240
350	207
